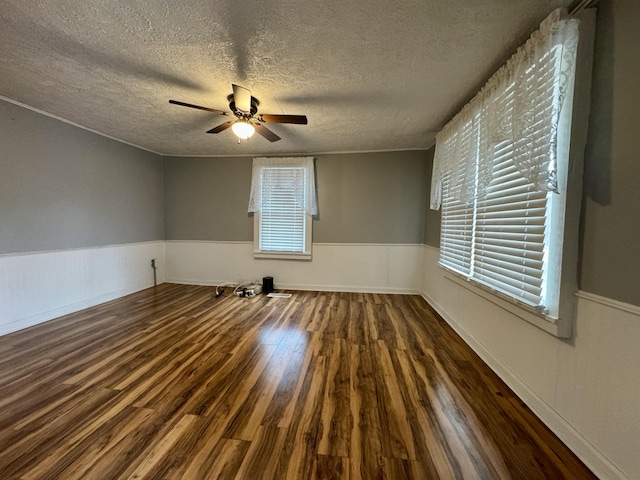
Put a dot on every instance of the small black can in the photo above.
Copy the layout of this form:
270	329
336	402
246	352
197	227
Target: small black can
267	284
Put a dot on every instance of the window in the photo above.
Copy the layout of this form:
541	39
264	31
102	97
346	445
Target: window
501	174
283	201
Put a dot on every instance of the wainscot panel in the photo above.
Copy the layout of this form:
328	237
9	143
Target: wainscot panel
39	286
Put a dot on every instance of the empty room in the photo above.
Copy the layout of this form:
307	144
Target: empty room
320	240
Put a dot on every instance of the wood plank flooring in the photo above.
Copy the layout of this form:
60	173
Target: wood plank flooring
173	383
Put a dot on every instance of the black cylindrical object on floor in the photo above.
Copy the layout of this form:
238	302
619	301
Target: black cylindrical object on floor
267	284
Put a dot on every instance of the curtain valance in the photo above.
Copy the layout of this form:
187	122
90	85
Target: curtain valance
510	110
305	194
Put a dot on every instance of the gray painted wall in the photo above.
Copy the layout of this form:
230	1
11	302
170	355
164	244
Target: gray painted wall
363	198
64	187
371	197
206	198
611	214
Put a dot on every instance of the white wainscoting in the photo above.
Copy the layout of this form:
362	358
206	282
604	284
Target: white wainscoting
382	268
586	390
38	286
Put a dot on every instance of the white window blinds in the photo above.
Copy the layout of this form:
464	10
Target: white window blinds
282	218
498	172
456	234
509	235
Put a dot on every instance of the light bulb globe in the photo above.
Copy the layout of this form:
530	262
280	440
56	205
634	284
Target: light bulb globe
243	129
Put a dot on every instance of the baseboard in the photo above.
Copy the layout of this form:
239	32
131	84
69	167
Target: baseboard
318	288
350	288
67	309
600	465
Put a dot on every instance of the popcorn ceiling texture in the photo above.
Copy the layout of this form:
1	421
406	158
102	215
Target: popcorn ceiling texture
374	75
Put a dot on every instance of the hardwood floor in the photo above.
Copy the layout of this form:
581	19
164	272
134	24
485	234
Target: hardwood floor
172	383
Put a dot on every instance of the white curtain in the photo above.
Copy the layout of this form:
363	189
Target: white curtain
510	108
306	196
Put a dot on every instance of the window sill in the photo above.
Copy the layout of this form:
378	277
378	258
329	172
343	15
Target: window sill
550	325
282	255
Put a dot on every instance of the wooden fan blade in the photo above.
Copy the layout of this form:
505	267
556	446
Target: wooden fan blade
266	133
242	98
222	127
296	119
190	105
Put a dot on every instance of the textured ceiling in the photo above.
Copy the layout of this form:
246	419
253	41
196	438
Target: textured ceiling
375	75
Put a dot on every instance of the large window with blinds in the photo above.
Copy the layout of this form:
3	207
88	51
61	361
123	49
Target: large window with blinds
501	171
283	202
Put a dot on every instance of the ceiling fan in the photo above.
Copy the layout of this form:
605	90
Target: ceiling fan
245	108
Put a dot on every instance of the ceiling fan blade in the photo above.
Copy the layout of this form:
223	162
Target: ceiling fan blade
242	98
296	119
190	105
266	133
222	127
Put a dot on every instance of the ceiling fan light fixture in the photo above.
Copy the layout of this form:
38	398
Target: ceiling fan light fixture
243	129
245	108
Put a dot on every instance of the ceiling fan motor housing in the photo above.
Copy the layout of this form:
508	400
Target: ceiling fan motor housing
239	113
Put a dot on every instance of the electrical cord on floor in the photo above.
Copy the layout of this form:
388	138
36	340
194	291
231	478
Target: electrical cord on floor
220	288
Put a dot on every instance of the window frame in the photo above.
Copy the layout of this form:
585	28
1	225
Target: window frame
306	254
576	114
